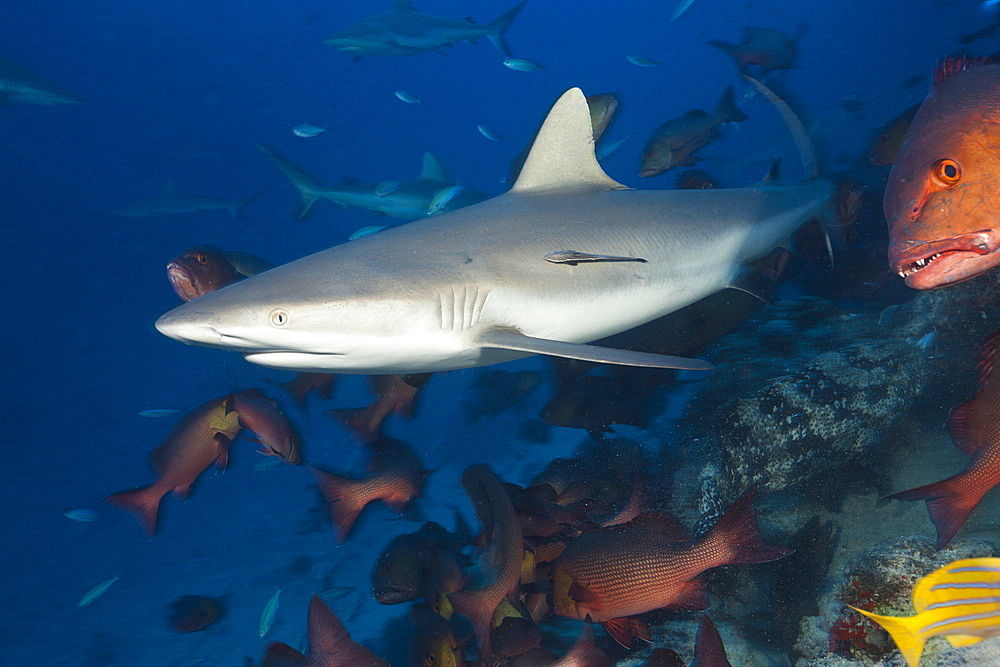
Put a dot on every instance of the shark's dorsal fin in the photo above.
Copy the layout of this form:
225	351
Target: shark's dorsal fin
562	157
433	170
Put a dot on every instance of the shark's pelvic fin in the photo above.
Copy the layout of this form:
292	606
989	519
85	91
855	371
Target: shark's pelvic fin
574	257
562	157
506	339
433	170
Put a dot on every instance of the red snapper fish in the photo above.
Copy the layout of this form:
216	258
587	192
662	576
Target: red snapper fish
974	426
611	575
200	438
941	199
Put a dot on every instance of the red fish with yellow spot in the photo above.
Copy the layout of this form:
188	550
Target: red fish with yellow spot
941	200
198	440
611	575
974	426
277	436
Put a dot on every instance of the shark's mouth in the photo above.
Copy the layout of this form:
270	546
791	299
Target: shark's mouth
947	261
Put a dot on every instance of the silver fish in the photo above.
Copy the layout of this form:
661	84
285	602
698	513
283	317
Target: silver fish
307	131
487	132
521	65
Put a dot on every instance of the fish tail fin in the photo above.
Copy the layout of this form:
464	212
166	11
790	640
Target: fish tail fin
475	608
305	185
727	48
726	110
366	422
947	503
143	504
903	631
737	529
343	500
586	652
501	24
236	210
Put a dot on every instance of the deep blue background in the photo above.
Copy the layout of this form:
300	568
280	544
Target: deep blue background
183	91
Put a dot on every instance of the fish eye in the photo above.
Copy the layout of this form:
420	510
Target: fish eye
946	173
202	258
431	659
278	317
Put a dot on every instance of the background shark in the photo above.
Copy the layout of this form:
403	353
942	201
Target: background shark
403	31
171	202
20	84
566	257
410	200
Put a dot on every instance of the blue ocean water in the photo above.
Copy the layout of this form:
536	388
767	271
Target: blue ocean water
183	92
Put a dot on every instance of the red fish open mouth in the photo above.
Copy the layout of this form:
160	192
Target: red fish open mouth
947	261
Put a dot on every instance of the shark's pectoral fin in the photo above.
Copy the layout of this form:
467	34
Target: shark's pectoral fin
506	339
574	257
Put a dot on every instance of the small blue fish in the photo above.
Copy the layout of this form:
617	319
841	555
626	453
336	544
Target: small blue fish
681	9
442	198
409	98
642	61
365	231
488	133
522	65
84	516
306	131
156	414
609	149
386	188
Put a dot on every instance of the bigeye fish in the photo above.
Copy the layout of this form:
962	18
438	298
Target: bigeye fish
409	98
674	142
307	131
611	575
394	394
642	61
766	48
366	231
959	601
395	477
310	383
261	415
200	438
975	429
522	65
442	198
941	199
330	645
487	132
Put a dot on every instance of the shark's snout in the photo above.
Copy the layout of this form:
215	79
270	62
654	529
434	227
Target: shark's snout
188	329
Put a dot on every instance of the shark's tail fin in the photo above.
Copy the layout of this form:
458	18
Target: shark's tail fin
726	110
306	186
807	152
500	26
236	210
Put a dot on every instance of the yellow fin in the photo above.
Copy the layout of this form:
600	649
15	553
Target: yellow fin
958	641
228	423
903	632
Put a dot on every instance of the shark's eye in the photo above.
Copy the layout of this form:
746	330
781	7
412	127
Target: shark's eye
279	317
946	173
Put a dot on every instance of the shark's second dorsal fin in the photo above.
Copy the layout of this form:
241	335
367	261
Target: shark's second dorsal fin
433	170
562	157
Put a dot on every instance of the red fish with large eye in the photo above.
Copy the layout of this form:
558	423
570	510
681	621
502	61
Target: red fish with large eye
941	200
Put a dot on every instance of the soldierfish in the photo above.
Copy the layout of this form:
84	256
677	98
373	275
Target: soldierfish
500	559
959	601
610	575
395	477
200	438
974	426
264	418
394	394
330	645
202	269
674	142
941	199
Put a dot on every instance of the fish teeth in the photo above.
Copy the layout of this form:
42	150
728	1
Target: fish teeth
910	269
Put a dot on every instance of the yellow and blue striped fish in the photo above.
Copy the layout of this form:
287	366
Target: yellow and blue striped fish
960	601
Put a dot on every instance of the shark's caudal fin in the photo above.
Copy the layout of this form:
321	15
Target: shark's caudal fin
562	157
236	210
306	186
433	170
512	340
807	152
500	26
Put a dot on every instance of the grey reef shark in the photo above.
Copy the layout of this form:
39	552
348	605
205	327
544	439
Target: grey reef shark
566	257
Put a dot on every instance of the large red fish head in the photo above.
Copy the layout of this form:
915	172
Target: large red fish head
941	201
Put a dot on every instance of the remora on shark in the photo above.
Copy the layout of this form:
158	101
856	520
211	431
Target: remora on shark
508	277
